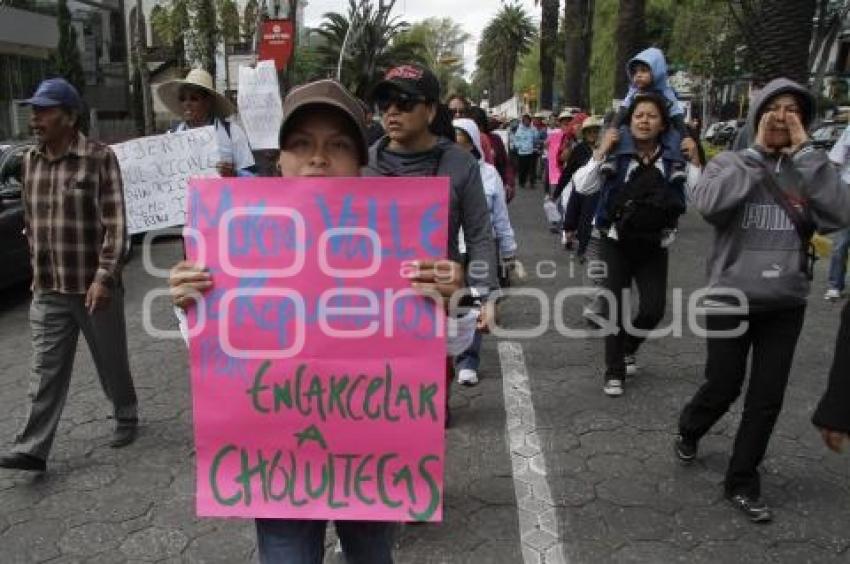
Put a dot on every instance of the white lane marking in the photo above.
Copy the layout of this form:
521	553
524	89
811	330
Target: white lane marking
538	523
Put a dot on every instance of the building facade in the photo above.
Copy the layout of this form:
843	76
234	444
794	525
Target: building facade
29	35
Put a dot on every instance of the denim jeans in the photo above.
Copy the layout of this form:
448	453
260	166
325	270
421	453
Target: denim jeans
471	357
302	541
838	261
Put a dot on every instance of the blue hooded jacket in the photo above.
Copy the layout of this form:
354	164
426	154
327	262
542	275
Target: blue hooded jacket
654	58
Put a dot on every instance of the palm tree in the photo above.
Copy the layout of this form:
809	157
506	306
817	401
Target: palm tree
548	49
777	35
578	24
506	38
631	25
371	47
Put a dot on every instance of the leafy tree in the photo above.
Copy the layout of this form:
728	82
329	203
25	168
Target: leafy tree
249	21
308	65
660	19
65	61
603	55
229	14
704	39
439	42
373	45
508	36
192	27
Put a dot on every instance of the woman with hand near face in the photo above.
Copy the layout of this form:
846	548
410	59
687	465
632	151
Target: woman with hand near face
764	203
323	134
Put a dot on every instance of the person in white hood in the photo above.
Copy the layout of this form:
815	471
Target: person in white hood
468	137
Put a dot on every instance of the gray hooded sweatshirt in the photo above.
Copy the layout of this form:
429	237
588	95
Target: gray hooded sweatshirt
756	247
467	203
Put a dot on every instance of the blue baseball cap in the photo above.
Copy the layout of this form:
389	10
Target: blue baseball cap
54	92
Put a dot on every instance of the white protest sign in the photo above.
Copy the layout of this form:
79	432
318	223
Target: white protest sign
156	170
260	108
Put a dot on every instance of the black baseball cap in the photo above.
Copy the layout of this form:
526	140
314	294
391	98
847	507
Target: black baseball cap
411	79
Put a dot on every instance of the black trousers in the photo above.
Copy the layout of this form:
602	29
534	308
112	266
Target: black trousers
526	172
646	265
772	337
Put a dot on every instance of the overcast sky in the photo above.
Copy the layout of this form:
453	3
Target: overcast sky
472	15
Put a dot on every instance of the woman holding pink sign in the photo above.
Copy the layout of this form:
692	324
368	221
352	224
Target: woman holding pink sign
323	135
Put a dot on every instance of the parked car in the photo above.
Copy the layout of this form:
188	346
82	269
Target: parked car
14	251
827	134
711	131
726	132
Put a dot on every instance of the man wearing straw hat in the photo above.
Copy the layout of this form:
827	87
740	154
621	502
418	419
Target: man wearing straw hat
196	101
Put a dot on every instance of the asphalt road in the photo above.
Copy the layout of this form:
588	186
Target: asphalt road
541	466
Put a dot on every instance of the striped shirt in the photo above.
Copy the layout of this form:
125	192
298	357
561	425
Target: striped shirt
74	216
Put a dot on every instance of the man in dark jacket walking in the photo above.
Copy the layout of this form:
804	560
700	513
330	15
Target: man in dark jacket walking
764	203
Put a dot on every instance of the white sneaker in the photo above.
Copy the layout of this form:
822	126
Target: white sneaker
613	388
832	295
631	365
467	377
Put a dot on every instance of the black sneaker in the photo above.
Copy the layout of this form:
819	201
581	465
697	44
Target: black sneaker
685	450
755	510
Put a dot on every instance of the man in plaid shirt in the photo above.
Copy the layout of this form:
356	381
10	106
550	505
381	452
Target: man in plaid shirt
75	223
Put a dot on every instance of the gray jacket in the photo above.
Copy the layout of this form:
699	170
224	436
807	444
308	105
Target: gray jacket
467	209
756	247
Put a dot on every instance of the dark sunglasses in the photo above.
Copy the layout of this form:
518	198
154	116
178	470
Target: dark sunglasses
404	102
458	112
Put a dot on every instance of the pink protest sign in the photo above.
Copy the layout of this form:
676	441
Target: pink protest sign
318	373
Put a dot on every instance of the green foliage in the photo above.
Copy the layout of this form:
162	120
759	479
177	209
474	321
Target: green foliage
249	21
373	46
660	18
65	61
704	38
527	77
308	66
229	21
439	42
199	33
509	35
604	54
